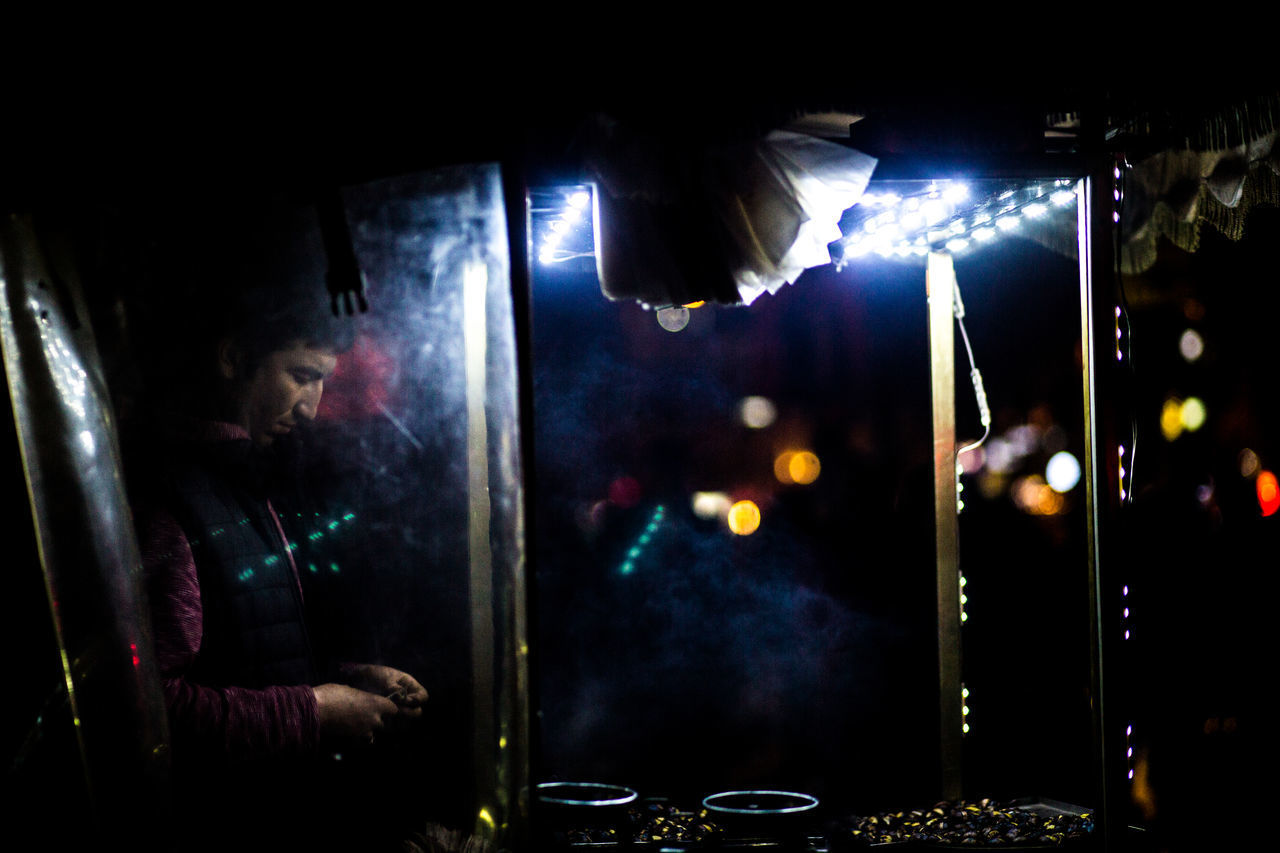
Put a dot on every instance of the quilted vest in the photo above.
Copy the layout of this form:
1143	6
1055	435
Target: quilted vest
254	632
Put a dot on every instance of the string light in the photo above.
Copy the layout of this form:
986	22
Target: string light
1119	337
1123	494
1126	612
568	216
909	225
628	564
1128	748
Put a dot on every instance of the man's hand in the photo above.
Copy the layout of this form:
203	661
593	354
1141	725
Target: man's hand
400	687
346	712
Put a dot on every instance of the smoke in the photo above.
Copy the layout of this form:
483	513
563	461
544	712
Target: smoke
715	653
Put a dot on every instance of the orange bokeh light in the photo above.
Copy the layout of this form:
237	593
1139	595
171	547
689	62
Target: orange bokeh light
1268	493
796	466
804	467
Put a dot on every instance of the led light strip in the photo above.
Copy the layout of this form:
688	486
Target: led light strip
913	225
1121	472
628	564
1124	592
577	204
1128	749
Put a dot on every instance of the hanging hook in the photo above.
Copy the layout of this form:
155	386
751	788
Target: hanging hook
343	278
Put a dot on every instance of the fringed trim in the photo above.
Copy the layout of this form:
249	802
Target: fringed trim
1262	187
1236	126
1138	254
1221	128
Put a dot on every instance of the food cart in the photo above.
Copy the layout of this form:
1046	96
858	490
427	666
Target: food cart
762	573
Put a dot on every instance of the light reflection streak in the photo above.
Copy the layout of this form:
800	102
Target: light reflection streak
68	376
399	425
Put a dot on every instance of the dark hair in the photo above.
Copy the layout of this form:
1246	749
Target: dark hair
249	271
272	272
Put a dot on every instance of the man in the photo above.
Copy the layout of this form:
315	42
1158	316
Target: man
254	724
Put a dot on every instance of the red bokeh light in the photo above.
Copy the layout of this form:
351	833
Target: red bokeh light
360	384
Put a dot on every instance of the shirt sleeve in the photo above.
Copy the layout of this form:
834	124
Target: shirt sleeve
236	723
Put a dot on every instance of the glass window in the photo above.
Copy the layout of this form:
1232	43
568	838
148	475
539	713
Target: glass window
734	522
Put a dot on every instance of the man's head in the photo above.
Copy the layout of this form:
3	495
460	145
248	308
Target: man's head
274	394
248	334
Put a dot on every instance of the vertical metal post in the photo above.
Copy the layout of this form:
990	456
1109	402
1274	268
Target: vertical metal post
475	285
940	285
84	540
1098	346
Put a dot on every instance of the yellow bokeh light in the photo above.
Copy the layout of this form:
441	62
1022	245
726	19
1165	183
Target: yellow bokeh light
1171	419
804	467
1192	414
697	304
744	518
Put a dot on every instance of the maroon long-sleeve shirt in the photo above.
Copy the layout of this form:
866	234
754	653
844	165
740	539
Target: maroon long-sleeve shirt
238	722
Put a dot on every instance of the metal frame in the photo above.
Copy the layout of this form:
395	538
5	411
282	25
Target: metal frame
1097	305
940	282
1095	230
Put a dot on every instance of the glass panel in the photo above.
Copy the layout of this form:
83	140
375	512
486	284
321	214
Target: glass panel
387	455
93	740
425	429
734	518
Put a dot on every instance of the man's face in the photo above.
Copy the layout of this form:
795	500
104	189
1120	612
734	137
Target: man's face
284	391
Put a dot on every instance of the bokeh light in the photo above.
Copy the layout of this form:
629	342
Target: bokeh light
744	518
757	412
796	467
1171	419
782	466
1191	345
673	319
1268	493
709	505
1192	414
625	491
1001	456
1063	472
1249	463
1034	496
1024	439
804	467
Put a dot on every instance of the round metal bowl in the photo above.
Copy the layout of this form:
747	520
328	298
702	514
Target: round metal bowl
762	803
782	817
584	795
